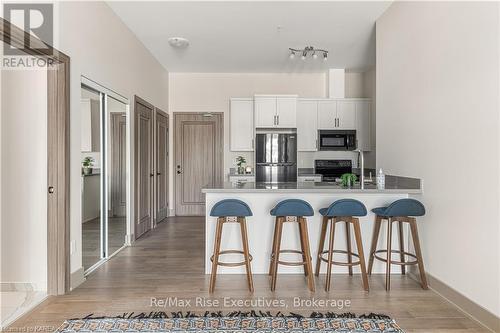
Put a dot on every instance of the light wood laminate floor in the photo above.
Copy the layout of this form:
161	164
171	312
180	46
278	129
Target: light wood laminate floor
168	262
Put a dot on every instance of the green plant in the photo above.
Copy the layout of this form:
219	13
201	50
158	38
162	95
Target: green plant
240	160
88	162
348	179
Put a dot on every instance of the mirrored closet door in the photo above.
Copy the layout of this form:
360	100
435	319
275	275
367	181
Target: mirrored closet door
104	155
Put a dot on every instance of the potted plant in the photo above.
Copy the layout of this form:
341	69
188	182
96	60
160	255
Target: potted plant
240	162
348	179
87	164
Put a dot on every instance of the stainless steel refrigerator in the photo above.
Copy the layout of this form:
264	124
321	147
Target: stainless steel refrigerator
276	158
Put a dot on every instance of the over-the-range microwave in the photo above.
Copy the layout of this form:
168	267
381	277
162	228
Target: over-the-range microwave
337	139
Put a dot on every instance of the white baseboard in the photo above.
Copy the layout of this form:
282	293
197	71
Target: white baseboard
77	278
466	305
171	212
129	239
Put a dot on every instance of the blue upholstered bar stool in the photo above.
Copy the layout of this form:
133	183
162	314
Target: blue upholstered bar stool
344	210
291	210
403	210
231	211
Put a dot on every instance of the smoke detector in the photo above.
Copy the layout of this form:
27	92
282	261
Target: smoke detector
178	42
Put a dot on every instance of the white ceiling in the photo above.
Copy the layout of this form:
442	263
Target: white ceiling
244	36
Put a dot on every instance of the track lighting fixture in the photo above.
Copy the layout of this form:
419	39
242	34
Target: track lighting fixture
308	51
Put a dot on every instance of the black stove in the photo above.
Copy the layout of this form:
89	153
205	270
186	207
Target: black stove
332	169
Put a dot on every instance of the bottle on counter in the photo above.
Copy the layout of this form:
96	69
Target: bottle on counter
380	179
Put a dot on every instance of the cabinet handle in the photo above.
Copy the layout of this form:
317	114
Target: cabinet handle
277	119
253	143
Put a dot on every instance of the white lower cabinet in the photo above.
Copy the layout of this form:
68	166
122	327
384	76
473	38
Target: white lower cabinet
307	126
241	124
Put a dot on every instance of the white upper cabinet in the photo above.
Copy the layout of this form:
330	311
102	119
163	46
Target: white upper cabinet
363	125
265	111
327	114
286	112
307	125
275	111
346	115
241	124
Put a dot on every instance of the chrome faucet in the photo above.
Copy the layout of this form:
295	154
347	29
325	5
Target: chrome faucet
362	167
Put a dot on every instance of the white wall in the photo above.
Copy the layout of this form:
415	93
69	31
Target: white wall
438	119
24	177
210	92
107	52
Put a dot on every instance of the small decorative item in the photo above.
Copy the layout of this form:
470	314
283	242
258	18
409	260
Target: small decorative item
248	170
87	164
240	162
348	179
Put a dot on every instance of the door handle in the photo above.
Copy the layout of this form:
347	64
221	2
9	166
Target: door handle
51	189
151	175
179	172
158	173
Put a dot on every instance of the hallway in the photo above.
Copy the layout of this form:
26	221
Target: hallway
168	262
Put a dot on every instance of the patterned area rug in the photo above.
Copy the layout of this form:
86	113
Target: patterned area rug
234	324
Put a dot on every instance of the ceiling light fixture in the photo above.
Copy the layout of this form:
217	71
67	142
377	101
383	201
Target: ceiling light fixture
308	51
178	42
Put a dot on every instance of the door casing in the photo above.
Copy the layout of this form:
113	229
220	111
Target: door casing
58	145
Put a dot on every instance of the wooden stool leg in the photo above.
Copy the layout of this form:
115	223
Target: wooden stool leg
418	252
322	237
376	231
274	245
348	242
302	244
244	240
307	252
359	245
279	226
389	249
401	246
330	254
215	261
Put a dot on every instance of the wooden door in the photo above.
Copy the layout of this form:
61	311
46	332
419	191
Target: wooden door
327	114
198	159
118	163
161	165
143	166
307	126
287	112
346	115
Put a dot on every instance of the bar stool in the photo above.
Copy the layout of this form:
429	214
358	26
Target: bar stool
231	211
343	210
399	211
291	210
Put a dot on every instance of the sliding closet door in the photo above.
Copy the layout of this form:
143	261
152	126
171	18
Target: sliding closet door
144	166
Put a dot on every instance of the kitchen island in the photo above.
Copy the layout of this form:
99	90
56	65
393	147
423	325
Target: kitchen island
262	197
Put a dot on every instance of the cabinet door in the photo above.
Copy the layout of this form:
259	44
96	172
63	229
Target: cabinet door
346	115
265	111
363	125
307	125
286	112
327	113
241	125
